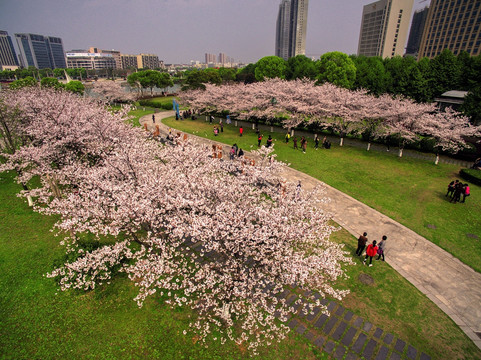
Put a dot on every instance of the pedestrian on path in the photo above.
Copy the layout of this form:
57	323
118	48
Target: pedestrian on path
241	131
153	118
381	248
361	244
371	251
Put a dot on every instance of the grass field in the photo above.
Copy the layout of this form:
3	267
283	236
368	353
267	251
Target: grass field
39	322
410	191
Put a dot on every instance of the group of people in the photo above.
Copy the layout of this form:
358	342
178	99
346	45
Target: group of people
184	115
235	151
216	128
372	249
455	189
477	164
325	143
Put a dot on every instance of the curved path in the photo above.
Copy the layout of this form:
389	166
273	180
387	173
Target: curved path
450	284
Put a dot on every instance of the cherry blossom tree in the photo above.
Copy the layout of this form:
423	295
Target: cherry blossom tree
112	92
221	237
300	103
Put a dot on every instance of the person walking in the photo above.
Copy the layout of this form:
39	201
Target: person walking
303	144
295	142
371	251
153	118
287	138
381	248
361	244
221	127
259	139
316	142
241	131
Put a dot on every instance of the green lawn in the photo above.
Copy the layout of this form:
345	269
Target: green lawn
39	322
410	191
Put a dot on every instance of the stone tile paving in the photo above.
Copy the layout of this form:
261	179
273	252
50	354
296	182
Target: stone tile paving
343	335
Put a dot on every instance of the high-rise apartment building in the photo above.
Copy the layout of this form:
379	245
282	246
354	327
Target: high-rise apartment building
384	28
416	32
453	25
40	51
8	57
210	58
291	28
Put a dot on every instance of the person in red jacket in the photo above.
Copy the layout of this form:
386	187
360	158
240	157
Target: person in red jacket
241	131
370	252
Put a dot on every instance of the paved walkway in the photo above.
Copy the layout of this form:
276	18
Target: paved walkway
453	286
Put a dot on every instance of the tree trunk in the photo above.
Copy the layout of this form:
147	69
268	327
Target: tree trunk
225	311
368	146
341	142
253	126
437	159
235	123
29	198
272	129
292	132
400	152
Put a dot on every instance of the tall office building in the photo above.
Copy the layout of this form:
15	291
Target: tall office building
384	28
416	32
291	28
40	51
8	57
453	25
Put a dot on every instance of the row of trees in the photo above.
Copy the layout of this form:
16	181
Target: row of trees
421	81
148	205
148	79
73	86
302	102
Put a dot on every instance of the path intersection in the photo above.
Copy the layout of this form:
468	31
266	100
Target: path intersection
451	285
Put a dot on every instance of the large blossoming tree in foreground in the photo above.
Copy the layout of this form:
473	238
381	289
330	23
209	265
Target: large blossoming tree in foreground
301	102
221	237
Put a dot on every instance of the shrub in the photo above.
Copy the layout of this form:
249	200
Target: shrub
471	175
167	105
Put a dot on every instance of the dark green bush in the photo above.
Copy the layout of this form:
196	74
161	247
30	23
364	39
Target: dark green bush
167	105
471	175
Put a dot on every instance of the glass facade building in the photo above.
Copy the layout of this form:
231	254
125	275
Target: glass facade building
40	51
291	28
8	56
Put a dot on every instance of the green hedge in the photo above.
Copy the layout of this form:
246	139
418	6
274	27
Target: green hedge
167	105
471	175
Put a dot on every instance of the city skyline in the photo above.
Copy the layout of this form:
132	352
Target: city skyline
181	31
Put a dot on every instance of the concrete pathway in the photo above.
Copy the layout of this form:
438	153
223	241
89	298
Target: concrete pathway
453	286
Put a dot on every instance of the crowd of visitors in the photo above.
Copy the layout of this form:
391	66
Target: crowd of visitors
455	189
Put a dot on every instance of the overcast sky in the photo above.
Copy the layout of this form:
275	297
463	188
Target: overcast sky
182	30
